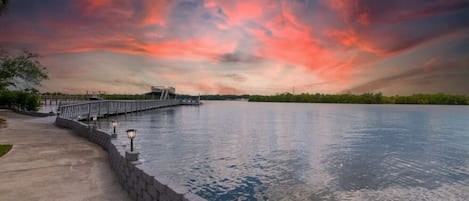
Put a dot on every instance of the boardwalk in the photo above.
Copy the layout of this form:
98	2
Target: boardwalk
105	108
48	163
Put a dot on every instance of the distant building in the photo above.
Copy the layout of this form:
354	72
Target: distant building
162	93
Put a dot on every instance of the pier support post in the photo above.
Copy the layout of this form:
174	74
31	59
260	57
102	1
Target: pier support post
99	109
89	111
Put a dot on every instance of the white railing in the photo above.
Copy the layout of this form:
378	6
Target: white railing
105	108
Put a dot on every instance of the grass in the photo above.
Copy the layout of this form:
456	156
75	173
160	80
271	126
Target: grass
5	148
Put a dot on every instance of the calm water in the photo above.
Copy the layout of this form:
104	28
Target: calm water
288	151
48	108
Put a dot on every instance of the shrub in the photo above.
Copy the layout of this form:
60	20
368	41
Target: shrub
19	100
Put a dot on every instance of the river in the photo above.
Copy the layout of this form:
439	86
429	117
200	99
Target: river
228	150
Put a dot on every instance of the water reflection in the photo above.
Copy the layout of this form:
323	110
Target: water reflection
274	151
390	148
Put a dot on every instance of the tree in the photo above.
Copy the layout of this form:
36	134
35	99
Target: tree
23	68
3	6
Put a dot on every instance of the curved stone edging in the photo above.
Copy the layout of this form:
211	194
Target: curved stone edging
133	176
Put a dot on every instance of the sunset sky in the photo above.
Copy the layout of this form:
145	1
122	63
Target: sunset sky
236	47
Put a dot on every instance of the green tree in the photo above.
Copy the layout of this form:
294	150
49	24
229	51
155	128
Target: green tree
24	67
3	6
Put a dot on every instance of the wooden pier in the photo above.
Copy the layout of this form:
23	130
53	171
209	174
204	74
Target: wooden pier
88	110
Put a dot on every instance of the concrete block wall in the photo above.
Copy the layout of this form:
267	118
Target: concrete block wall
134	177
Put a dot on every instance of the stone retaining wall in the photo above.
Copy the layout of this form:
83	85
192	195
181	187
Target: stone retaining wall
133	176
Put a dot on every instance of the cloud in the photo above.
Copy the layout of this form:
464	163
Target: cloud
212	88
235	77
393	27
237	57
363	12
222	89
426	77
261	46
142	13
430	62
133	83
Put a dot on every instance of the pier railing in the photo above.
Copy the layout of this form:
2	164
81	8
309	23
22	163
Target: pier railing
103	108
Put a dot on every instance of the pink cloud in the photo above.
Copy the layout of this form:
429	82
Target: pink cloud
431	61
120	11
155	12
280	41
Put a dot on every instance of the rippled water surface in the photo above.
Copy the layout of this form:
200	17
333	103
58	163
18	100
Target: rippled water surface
290	151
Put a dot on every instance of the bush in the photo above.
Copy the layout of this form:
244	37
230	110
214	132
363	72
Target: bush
19	100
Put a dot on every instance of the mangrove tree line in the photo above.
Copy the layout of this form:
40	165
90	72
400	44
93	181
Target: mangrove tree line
366	98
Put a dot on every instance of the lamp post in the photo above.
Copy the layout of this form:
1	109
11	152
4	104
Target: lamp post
131	156
92	125
131	133
114	125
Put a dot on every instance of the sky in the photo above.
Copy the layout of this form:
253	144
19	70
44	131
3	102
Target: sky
245	47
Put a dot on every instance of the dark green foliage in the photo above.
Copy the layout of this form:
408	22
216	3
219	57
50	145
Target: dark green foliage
24	66
19	100
367	98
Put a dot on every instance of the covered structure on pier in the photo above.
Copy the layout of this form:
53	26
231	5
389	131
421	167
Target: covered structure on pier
162	93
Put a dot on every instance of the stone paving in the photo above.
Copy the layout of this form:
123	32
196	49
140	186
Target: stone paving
49	163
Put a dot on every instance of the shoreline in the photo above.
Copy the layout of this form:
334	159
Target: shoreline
366	98
49	163
134	176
